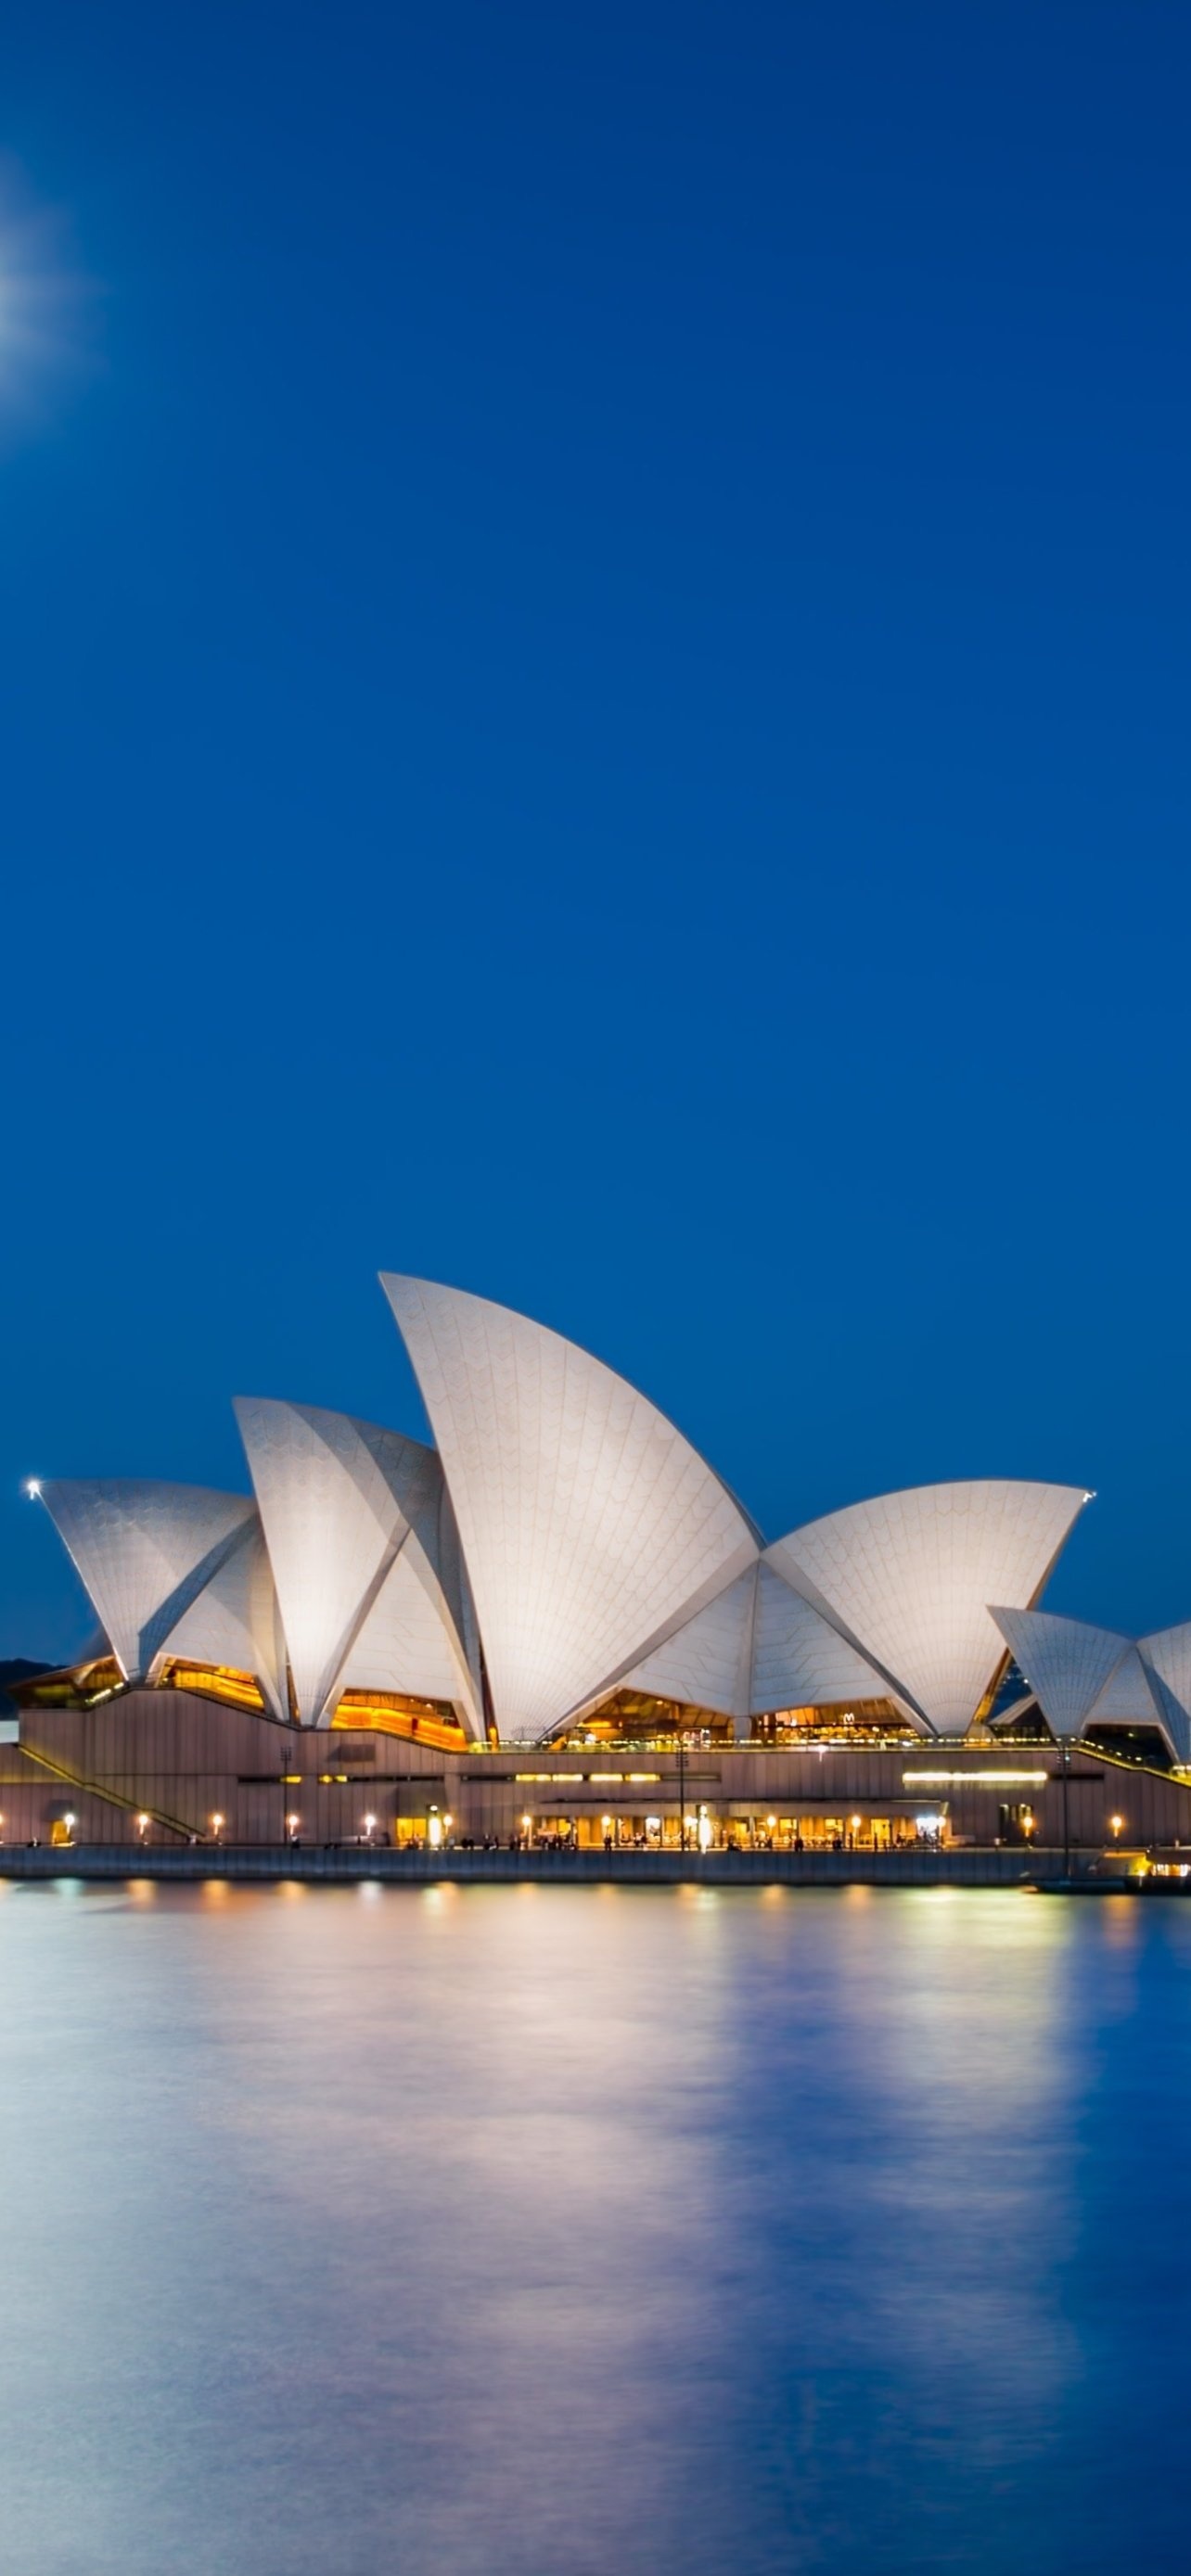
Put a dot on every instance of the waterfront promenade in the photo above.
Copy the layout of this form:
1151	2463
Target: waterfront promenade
324	1865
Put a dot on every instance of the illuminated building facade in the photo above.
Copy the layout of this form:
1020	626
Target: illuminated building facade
559	1621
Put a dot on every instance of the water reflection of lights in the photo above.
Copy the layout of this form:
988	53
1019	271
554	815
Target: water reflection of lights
1120	1921
754	2158
441	1898
957	2029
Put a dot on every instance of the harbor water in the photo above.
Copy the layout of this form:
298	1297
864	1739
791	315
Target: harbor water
542	2229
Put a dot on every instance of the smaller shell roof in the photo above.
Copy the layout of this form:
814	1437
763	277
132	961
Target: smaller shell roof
338	1499
590	1526
1166	1660
144	1552
1126	1699
1066	1663
908	1578
758	1646
235	1620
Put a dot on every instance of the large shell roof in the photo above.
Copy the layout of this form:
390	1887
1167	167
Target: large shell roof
589	1524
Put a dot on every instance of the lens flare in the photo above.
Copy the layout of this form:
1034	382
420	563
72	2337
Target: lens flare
47	305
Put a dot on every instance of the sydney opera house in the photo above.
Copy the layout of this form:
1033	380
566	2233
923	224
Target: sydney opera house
559	1625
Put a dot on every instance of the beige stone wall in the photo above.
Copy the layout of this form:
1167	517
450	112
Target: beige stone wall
184	1760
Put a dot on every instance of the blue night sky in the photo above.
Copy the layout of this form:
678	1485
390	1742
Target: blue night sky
595	623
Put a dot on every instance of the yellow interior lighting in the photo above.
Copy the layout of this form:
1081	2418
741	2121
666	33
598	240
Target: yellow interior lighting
417	1721
213	1681
975	1779
76	1686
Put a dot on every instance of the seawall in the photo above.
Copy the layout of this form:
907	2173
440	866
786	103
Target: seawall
319	1865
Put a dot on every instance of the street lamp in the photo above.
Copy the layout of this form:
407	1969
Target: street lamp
369	1827
217	1823
70	1822
292	1823
1117	1824
142	1826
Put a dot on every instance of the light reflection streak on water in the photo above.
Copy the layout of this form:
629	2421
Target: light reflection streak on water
454	2232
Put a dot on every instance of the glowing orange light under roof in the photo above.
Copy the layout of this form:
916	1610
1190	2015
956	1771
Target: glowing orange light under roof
213	1681
418	1721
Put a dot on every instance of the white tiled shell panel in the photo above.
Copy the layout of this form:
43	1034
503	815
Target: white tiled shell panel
759	1646
407	1642
909	1577
1167	1661
177	1570
1085	1676
1126	1699
589	1525
235	1619
338	1499
708	1661
144	1552
1066	1662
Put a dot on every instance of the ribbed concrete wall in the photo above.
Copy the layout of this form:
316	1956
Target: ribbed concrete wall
184	1759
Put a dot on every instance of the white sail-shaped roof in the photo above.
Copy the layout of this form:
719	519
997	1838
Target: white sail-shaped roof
1065	1661
757	1647
410	1642
235	1620
1167	1661
908	1578
589	1524
1126	1699
338	1499
799	1659
144	1552
708	1662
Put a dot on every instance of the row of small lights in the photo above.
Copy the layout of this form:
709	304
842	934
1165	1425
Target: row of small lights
438	1825
1116	1824
292	1823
